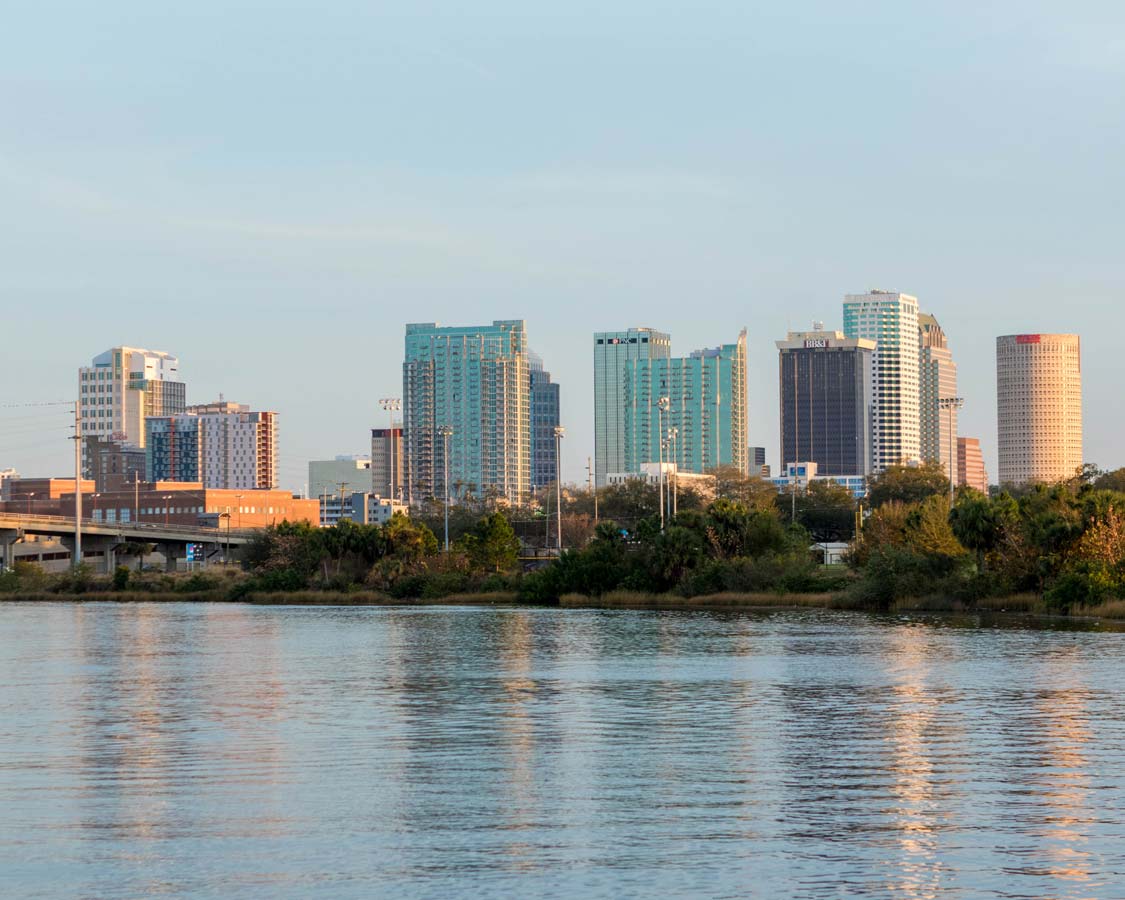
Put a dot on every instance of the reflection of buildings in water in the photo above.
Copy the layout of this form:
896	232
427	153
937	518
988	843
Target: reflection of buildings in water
916	734
518	732
158	667
1063	784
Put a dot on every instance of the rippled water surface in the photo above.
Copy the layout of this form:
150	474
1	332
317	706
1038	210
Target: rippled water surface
231	751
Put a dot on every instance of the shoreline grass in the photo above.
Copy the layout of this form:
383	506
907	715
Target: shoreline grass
1016	604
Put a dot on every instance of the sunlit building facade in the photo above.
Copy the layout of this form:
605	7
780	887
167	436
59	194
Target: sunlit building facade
1039	407
890	319
475	382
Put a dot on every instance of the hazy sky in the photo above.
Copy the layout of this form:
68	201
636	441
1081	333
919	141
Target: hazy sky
271	190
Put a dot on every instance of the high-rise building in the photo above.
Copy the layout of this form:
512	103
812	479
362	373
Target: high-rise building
1039	407
616	356
826	401
544	420
890	320
707	420
124	385
386	462
757	458
970	464
222	445
937	380
113	465
344	474
467	388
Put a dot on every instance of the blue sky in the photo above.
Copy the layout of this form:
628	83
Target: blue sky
271	190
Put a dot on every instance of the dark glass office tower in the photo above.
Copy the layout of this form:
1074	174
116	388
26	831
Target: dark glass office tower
826	401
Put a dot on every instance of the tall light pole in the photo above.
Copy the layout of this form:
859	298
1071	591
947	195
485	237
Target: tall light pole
30	496
77	561
238	497
446	432
392	405
673	439
167	498
559	432
949	404
593	487
662	406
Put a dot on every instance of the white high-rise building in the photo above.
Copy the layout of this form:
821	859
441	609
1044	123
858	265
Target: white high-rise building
1039	407
891	320
937	375
124	385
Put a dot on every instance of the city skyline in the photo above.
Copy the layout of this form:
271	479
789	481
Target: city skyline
574	469
139	211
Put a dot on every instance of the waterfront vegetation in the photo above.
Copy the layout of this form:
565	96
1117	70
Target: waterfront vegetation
1047	549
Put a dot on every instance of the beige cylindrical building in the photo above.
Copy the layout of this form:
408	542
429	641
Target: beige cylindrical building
1039	407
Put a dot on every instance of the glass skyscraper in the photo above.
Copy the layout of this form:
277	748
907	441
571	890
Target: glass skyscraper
475	381
825	381
616	355
708	406
544	419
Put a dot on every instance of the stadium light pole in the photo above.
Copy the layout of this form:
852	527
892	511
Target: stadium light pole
949	404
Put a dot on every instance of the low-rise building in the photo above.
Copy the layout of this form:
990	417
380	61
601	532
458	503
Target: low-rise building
798	476
162	503
6	475
361	507
650	474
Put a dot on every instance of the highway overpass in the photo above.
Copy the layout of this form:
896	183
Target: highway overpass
106	538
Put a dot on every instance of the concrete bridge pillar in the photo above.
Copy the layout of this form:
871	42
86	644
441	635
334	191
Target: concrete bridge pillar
173	553
8	538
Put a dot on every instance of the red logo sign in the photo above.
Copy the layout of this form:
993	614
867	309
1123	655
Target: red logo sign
1027	338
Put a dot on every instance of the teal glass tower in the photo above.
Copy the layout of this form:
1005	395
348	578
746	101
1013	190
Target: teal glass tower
617	354
475	382
707	407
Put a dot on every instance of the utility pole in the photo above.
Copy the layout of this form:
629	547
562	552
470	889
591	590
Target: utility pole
343	484
77	561
593	487
559	432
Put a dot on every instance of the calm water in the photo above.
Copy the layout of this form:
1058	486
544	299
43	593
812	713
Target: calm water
219	751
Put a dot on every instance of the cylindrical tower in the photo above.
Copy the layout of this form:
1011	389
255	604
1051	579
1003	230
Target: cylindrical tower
1039	407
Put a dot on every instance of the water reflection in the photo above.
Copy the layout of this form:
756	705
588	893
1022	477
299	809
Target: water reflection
210	751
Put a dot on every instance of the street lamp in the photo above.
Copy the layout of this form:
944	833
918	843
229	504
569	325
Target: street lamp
226	515
559	432
238	497
94	508
446	432
662	406
391	405
950	404
30	494
167	498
